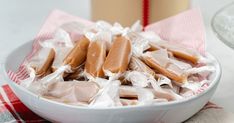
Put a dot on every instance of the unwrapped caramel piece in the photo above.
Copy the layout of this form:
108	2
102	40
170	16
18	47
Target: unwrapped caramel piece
78	54
73	91
137	65
95	58
119	56
177	50
163	65
42	61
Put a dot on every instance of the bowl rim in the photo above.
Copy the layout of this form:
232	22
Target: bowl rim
165	105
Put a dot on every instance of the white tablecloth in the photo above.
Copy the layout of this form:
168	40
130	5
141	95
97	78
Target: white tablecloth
20	20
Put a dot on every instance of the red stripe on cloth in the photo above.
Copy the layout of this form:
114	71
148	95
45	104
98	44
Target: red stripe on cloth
26	114
12	76
7	107
23	75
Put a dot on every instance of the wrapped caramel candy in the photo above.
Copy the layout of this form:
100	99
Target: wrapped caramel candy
95	58
108	96
61	44
127	92
78	54
137	65
42	61
119	56
61	53
159	61
177	51
130	92
73	91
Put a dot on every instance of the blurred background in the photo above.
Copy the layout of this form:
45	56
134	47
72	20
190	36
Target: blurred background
20	20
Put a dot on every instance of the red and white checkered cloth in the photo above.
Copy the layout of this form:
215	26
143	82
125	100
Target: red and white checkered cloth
185	28
13	110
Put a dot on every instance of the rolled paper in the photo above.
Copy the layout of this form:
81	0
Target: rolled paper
95	58
137	65
73	91
163	65
119	55
42	61
177	50
78	54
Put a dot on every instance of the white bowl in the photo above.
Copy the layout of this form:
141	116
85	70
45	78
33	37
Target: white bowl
171	112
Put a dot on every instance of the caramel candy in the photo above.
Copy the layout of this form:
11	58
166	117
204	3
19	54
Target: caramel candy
49	71
73	91
129	92
78	54
177	50
126	102
42	61
95	58
119	56
164	66
137	65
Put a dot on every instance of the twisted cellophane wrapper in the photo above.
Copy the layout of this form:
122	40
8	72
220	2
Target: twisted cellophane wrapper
106	65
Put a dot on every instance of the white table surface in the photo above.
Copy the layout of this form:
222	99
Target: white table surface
20	20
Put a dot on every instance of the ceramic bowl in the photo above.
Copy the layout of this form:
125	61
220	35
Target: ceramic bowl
170	112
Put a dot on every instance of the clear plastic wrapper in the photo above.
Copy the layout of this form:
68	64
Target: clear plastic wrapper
130	92
74	29
73	91
160	61
127	92
42	61
78	54
127	102
139	44
150	36
78	74
138	79
96	54
61	53
108	95
163	80
62	44
177	51
137	65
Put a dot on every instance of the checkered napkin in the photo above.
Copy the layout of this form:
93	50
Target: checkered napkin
185	28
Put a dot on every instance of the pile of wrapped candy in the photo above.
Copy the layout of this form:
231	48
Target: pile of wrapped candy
106	65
